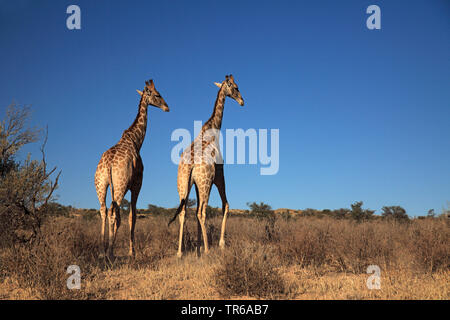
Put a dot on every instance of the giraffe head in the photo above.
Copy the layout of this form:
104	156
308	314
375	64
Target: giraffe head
151	96
231	89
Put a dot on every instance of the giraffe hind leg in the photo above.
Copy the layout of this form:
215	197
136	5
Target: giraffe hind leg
114	220
181	217
201	216
184	185
102	189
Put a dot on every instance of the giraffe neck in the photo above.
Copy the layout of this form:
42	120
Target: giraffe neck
136	132
215	122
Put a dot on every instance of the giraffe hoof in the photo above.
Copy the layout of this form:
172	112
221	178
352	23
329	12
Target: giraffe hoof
222	244
179	255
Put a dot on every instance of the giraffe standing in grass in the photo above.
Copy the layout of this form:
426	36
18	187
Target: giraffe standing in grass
199	165
121	169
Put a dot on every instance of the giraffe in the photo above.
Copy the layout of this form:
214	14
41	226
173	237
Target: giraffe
201	164
121	168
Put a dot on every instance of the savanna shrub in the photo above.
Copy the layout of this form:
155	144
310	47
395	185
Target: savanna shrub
249	269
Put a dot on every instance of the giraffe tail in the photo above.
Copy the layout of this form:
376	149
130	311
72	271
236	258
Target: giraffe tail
111	184
183	201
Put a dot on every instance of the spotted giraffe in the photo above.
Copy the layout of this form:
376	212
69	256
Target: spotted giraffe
201	164
121	169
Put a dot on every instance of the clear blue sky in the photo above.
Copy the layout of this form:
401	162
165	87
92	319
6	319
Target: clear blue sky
363	115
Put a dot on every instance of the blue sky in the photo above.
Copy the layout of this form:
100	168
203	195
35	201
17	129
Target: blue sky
362	114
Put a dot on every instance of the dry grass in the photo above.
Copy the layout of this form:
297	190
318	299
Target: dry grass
304	258
250	270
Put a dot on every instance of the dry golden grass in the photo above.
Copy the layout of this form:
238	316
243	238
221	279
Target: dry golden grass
303	258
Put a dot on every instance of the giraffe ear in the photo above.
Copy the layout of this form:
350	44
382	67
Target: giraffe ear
218	84
140	92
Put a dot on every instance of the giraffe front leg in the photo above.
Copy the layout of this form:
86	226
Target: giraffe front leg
201	216
135	189
219	181
132	223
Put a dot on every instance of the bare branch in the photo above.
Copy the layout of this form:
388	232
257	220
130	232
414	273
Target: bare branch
53	187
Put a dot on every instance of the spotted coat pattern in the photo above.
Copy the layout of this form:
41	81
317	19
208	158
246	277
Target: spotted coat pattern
121	169
199	166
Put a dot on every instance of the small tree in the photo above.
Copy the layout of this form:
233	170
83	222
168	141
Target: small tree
360	214
341	213
308	212
260	209
26	188
394	212
212	212
156	210
264	211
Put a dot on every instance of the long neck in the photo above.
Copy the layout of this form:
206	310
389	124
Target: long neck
136	132
215	122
